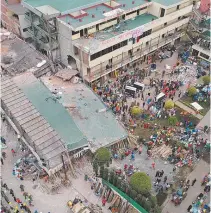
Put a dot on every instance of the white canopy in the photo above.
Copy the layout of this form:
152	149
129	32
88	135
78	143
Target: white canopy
197	106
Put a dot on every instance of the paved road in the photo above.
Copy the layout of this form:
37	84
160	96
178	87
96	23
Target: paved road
201	169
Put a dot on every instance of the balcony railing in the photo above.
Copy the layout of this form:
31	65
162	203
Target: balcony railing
122	61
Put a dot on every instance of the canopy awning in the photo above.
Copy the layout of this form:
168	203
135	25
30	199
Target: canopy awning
197	106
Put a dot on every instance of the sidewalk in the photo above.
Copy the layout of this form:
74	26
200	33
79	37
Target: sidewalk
201	169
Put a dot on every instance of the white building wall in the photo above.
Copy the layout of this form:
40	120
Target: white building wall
154	9
143	40
65	41
153	24
23	24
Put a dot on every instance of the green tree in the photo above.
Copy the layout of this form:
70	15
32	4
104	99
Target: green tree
172	120
192	91
157	209
136	110
115	180
169	104
102	156
133	194
206	79
140	182
139	199
153	201
111	177
147	206
101	171
123	186
95	168
105	174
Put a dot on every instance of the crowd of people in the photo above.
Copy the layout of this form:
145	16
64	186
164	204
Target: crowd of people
15	204
201	203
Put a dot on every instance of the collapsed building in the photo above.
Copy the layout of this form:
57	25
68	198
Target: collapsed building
55	118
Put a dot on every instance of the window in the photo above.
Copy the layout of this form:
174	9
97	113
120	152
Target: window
107	50
74	33
163	35
148	32
124	43
130	13
147	43
165	24
25	30
116	46
177	7
96	55
204	56
179	17
143	8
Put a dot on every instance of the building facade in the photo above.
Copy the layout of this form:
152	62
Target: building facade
198	31
101	38
12	17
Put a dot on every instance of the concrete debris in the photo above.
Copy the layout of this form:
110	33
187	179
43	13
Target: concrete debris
66	74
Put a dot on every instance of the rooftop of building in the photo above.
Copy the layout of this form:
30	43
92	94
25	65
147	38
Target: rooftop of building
96	13
52	110
93	42
167	2
19	56
40	135
66	5
88	112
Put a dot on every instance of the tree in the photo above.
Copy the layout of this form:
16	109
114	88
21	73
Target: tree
153	201
192	91
147	205
101	171
123	186
172	120
111	177
133	194
102	156
140	182
136	110
206	79
105	174
157	209
139	199
169	104
115	180
95	168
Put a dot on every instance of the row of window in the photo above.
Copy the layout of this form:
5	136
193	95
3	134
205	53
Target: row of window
119	45
204	56
108	50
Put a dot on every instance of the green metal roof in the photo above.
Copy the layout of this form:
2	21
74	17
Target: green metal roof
61	5
65	5
56	115
125	196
